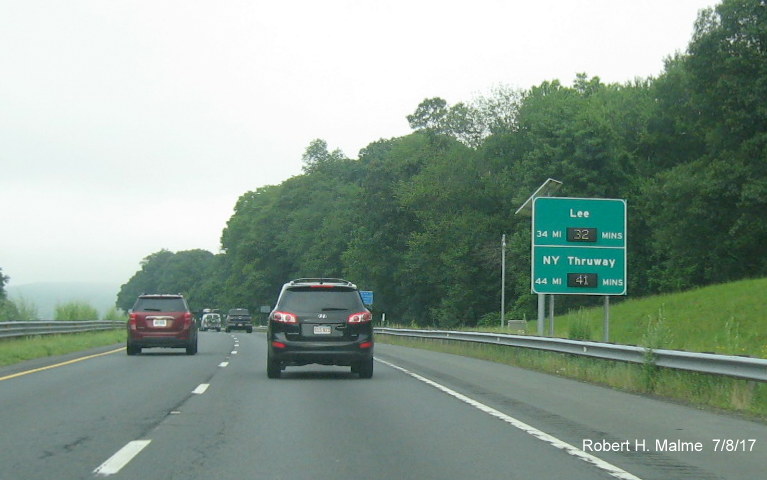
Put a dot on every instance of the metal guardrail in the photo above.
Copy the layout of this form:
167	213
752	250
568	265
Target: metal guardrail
49	327
728	365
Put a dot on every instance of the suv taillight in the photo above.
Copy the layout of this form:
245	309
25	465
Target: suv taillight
132	321
284	317
360	317
187	318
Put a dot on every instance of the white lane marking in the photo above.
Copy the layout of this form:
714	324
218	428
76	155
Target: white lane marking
201	388
551	440
234	352
117	461
223	364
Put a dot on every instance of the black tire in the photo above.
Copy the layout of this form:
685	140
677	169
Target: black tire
273	368
365	368
132	349
191	349
250	330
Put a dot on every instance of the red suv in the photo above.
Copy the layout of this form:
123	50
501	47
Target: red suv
161	321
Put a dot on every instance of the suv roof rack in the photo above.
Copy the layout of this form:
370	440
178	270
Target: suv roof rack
322	281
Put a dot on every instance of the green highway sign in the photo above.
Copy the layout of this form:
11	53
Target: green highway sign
579	246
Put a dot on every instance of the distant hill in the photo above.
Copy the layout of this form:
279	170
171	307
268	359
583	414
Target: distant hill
46	295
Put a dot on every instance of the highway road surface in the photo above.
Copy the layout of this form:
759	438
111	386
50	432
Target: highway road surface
424	415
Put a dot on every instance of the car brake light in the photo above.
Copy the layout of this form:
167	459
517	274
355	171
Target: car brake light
132	321
284	317
360	317
278	345
187	317
366	344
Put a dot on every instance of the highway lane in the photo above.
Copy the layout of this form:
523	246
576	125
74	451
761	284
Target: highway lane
322	422
62	422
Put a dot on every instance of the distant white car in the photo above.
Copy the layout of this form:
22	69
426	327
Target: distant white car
211	321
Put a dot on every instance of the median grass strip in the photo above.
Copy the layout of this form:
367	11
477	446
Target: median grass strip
15	350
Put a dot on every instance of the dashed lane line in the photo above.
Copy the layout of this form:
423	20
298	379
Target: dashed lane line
116	462
201	388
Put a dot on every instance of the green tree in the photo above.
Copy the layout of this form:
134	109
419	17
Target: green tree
3	280
168	272
8	311
374	256
431	116
316	155
718	190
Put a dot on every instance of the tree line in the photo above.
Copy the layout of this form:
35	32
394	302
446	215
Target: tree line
418	219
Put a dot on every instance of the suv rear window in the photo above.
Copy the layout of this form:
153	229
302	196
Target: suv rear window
150	304
308	299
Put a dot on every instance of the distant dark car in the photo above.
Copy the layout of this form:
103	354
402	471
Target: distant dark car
239	319
323	321
161	321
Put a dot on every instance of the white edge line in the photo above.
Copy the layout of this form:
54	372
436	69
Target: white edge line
117	461
529	429
201	388
223	364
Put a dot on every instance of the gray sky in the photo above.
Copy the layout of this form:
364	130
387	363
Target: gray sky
128	126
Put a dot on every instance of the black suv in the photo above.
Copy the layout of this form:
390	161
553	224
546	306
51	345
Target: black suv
239	319
320	320
161	321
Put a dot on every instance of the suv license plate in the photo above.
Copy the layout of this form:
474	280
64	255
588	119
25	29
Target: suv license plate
321	330
160	323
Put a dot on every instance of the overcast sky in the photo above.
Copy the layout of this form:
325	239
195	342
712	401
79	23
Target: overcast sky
129	126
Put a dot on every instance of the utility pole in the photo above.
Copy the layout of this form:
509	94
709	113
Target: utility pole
503	278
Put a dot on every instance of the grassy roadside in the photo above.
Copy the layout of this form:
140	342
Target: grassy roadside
15	350
727	319
701	390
